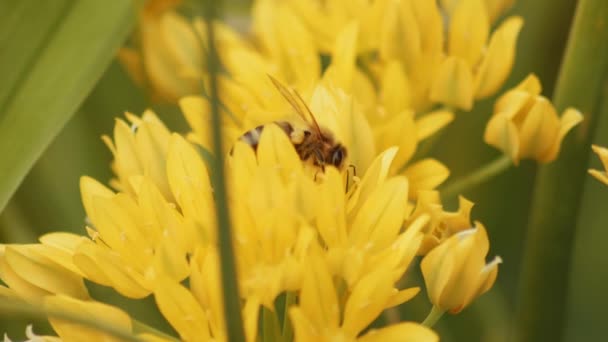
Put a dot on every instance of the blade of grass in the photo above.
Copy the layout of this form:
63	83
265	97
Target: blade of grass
51	68
232	304
559	188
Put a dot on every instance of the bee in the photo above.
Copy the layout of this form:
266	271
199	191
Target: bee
314	144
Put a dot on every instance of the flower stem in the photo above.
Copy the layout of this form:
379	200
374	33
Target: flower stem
139	327
433	317
582	82
287	335
271	331
232	307
16	306
482	174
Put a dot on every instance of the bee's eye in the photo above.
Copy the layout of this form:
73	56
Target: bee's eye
337	157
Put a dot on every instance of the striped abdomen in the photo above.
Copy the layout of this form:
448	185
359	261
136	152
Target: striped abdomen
252	137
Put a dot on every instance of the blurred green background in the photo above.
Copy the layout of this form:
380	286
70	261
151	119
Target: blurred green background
49	199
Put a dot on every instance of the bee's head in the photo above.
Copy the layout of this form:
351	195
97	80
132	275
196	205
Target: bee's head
337	156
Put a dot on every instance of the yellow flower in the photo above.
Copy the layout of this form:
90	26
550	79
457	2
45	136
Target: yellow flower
602	152
319	315
103	313
442	224
472	65
141	242
525	124
139	149
168	55
456	273
35	270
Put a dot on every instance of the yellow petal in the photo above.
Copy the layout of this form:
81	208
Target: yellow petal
376	174
331	221
469	30
342	66
502	134
101	312
303	328
89	189
453	84
182	310
196	111
275	150
380	218
132	62
539	129
300	57
496	65
570	118
63	246
405	332
318	299
599	175
432	122
30	263
367	300
426	174
394	93
400	131
190	185
19	285
497	7
437	268
402	296
161	62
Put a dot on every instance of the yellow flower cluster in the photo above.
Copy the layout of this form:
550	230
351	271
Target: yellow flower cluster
374	74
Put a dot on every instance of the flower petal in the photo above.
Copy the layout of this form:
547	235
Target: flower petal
453	84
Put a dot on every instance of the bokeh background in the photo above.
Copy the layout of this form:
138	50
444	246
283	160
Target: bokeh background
49	199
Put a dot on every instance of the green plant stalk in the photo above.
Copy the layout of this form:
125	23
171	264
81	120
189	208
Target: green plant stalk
271	331
17	306
232	307
582	83
142	328
287	333
433	317
473	179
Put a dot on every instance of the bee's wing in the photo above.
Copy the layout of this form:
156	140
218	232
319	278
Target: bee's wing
296	102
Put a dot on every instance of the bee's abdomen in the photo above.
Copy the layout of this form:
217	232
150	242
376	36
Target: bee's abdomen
252	137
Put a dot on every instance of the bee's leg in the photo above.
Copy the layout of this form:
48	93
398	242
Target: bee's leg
347	175
354	169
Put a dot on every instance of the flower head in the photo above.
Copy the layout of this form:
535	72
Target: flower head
525	124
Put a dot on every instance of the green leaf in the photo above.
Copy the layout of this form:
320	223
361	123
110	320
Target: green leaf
559	189
53	53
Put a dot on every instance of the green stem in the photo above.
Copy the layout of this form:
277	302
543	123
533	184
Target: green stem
142	328
541	307
16	306
482	174
433	317
271	331
232	306
290	299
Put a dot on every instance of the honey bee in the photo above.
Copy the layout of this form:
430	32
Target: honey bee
314	144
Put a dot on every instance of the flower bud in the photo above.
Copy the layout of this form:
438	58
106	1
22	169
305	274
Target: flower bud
525	124
455	272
